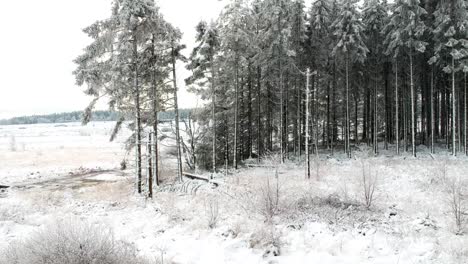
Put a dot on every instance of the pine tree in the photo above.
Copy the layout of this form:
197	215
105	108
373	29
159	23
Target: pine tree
204	71
374	16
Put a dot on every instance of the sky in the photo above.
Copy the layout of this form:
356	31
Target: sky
40	39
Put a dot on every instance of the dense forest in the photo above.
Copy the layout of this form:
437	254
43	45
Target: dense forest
381	74
282	77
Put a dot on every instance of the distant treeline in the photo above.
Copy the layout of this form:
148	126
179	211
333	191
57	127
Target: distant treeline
76	116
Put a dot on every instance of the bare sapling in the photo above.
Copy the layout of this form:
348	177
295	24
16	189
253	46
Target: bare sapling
456	200
368	184
212	212
270	197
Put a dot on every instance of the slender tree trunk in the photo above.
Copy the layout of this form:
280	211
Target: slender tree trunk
176	111
259	117
376	121
454	111
466	116
299	118
348	147
405	114
413	109
137	115
280	69
307	139
154	94
226	145
213	116
459	120
386	110
328	117
356	119
397	112
150	165
236	111
316	135
250	115
334	110
432	111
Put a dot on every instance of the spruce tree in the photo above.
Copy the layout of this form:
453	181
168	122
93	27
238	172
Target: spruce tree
348	30
403	36
451	47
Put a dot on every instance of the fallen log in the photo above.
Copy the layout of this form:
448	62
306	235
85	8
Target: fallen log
259	166
4	187
199	177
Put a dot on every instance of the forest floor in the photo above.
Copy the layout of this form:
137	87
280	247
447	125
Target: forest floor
269	214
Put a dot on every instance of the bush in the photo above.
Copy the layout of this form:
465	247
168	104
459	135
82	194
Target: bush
71	242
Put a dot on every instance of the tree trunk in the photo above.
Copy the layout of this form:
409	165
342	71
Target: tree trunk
249	114
376	120
347	144
397	112
176	111
154	94
137	115
466	117
213	116
259	117
413	109
316	135
454	111
307	139
432	111
150	165
236	111
328	138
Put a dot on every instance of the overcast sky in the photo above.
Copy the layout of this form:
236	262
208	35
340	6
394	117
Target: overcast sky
41	38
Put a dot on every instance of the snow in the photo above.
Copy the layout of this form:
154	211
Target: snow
321	220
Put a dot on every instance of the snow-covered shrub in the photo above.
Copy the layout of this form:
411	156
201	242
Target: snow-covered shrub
12	144
84	133
268	238
368	184
123	164
456	190
317	166
71	242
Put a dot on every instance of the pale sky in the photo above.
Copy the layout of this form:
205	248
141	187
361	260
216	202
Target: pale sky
40	39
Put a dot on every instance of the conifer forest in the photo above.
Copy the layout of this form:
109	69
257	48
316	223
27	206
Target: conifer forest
326	131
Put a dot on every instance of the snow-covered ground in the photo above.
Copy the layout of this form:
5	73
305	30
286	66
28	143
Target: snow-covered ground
268	214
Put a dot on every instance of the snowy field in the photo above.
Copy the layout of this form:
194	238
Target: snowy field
267	214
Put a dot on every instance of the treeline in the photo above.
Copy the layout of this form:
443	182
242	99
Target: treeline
383	74
75	116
